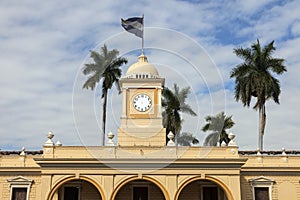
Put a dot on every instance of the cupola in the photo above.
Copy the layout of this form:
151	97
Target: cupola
142	69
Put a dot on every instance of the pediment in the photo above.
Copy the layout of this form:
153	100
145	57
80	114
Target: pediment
19	180
261	180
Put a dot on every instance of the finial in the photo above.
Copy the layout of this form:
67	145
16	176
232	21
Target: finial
142	58
49	142
223	144
50	135
258	152
231	136
259	156
283	152
284	158
23	152
170	142
58	143
110	136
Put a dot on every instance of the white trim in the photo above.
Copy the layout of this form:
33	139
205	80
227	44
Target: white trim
143	87
261	182
20	182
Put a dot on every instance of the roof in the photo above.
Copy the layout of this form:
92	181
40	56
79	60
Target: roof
249	152
142	67
270	153
4	153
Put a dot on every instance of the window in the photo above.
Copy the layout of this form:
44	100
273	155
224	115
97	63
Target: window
262	188
19	193
19	188
261	193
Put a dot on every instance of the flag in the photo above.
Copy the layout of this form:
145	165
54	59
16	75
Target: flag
133	25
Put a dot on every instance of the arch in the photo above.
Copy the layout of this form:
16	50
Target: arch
72	178
147	178
207	178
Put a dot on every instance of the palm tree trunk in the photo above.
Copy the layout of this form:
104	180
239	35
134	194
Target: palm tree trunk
104	117
262	125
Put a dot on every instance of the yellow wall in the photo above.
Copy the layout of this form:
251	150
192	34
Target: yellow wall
222	166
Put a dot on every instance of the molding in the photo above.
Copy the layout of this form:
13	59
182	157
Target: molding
270	169
142	87
143	163
260	182
20	182
141	80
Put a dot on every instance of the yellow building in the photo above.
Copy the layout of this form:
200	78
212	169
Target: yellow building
142	165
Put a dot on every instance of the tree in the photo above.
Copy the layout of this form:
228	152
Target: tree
186	139
218	124
106	67
254	78
174	103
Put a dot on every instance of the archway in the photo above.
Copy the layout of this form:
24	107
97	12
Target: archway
76	188
204	189
140	189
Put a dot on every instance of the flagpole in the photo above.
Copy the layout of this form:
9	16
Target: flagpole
143	36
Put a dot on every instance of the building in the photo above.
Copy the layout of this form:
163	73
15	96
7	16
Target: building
143	165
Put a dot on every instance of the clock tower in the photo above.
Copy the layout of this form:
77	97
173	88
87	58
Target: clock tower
141	119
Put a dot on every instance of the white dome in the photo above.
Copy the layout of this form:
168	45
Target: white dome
142	67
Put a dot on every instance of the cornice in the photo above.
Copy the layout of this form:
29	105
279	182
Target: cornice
141	163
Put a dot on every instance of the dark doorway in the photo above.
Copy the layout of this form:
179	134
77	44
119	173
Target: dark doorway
202	190
71	193
139	190
140	193
210	193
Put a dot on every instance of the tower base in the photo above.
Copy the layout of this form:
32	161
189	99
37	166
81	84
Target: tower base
141	137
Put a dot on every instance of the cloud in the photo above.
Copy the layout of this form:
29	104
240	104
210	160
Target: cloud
45	44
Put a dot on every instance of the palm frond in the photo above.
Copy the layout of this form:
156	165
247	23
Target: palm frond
90	83
268	50
277	65
183	94
186	139
89	69
187	109
243	53
205	127
98	58
218	125
211	139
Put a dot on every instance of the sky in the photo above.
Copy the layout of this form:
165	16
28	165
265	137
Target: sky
45	44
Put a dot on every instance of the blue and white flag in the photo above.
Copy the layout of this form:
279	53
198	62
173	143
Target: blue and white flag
133	25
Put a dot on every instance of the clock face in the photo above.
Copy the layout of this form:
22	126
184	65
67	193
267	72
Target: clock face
142	102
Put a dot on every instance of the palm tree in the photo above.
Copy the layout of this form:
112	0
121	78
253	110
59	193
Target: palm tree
186	139
218	124
106	67
173	103
254	78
